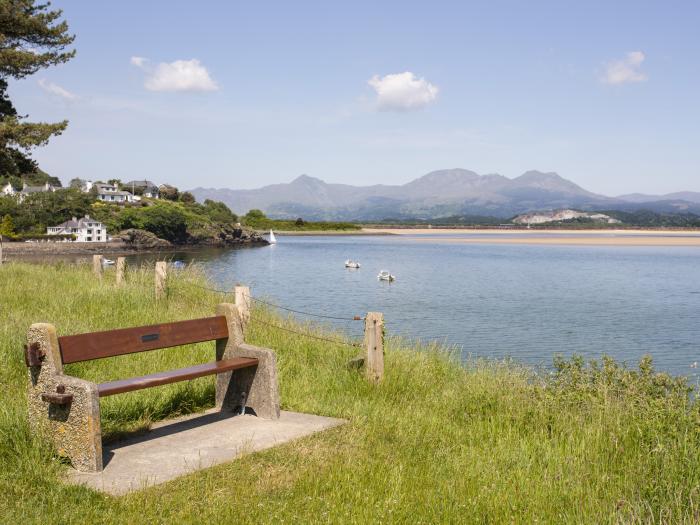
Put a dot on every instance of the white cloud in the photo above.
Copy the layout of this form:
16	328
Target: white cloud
56	90
180	75
138	61
625	70
402	91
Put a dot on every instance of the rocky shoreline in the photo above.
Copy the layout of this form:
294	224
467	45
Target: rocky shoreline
127	243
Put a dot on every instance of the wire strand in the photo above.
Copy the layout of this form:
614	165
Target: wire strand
306	334
300	312
354	318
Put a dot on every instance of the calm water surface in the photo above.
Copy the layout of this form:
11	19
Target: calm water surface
525	302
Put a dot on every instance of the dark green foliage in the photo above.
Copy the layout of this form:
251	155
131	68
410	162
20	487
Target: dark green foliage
39	210
254	215
187	197
164	220
647	218
218	211
176	222
7	226
167	222
31	38
258	220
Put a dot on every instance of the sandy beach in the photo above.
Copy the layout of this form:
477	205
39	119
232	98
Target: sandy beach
552	237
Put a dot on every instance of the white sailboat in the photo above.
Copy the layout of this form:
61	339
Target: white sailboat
272	239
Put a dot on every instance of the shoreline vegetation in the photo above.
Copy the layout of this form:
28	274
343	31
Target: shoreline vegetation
437	441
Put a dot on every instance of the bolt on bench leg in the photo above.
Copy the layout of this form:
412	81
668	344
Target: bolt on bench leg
65	409
257	386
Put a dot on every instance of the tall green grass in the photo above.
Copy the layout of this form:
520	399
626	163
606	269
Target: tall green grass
436	442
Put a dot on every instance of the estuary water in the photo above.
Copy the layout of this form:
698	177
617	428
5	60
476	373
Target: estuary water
527	302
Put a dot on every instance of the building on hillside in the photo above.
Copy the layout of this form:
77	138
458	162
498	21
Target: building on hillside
26	190
7	189
112	193
29	190
84	229
147	188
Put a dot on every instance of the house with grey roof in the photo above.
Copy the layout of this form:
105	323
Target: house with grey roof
112	193
85	229
29	190
145	187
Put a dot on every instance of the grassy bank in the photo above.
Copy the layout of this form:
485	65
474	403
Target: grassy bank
436	442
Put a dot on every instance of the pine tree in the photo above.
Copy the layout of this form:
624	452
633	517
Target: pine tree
32	37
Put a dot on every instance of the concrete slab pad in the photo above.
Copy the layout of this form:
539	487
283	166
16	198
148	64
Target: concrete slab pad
180	446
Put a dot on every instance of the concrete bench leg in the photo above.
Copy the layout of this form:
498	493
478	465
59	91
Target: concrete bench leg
255	387
73	427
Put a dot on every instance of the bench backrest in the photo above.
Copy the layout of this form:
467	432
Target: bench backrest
97	345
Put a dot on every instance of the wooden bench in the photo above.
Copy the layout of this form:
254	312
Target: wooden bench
67	408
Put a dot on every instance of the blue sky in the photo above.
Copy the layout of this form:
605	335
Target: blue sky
241	94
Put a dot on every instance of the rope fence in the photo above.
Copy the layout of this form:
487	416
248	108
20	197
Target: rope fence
306	334
371	358
273	305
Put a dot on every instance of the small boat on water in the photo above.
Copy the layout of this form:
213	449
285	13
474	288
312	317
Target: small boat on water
386	276
272	239
352	264
179	265
107	262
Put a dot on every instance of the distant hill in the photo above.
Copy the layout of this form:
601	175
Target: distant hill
439	194
689	196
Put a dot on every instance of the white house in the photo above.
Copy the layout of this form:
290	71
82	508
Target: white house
111	193
7	189
26	190
84	229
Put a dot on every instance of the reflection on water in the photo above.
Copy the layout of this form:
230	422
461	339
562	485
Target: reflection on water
526	302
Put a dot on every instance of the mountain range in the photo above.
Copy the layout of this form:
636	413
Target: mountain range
442	193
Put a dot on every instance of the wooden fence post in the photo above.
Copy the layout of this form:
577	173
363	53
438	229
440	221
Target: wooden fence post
121	266
97	266
161	279
242	300
374	346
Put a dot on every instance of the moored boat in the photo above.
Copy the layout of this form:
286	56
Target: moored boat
352	264
386	276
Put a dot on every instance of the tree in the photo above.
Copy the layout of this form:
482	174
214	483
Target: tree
299	222
7	226
166	222
31	38
254	215
168	192
219	212
187	197
76	184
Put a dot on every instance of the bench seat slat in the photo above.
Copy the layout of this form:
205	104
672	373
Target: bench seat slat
173	376
111	343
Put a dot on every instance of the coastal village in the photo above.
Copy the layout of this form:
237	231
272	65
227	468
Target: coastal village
85	229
